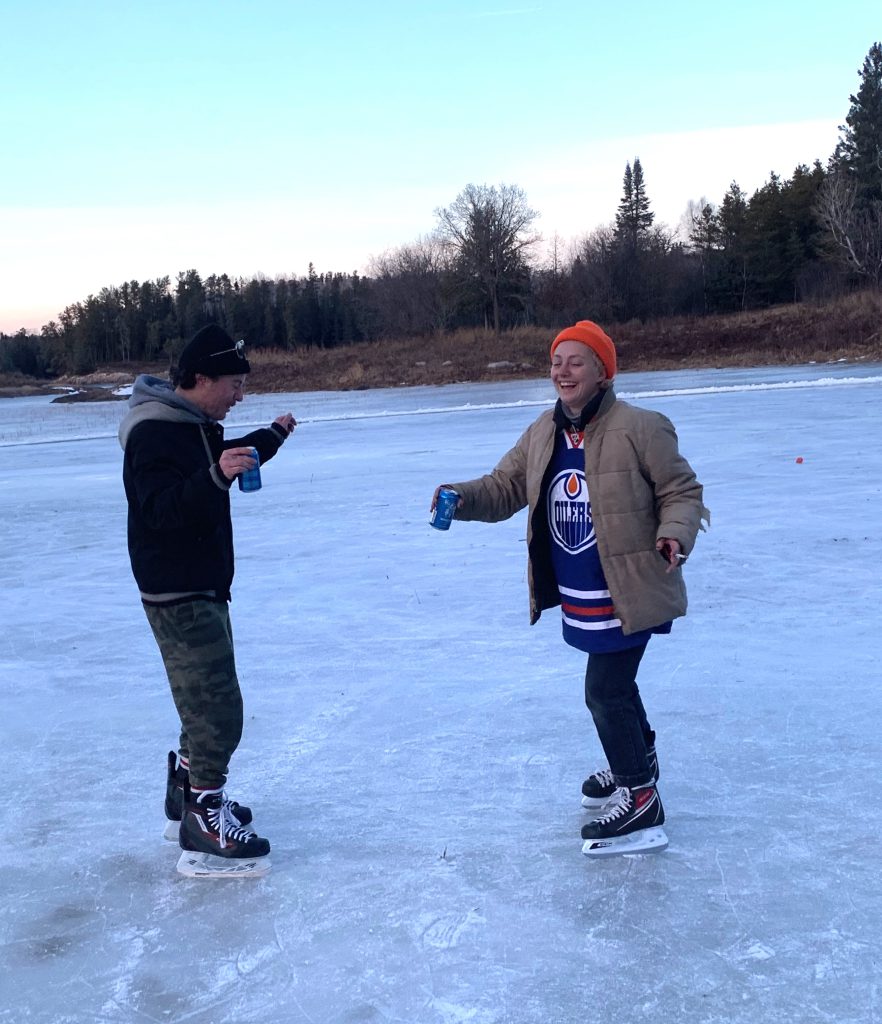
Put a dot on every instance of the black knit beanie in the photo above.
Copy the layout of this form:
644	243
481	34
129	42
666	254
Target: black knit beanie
212	352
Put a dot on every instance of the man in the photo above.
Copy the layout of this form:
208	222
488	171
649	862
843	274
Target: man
177	472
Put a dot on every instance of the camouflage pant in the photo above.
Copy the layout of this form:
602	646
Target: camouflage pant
196	642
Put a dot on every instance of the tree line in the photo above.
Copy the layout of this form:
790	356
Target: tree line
808	237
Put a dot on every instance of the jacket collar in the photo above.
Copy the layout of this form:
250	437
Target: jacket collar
597	407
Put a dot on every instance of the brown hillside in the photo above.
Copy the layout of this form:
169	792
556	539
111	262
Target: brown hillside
849	328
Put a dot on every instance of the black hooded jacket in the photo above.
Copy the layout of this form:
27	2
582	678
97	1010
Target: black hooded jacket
180	534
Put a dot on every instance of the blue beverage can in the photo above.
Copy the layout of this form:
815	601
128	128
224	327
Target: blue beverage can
250	479
445	506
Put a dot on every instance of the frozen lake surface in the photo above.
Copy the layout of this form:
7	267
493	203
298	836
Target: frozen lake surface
414	749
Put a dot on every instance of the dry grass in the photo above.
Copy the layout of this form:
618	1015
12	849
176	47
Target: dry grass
849	328
441	359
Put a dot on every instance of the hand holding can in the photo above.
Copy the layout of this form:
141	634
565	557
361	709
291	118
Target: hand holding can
249	479
445	506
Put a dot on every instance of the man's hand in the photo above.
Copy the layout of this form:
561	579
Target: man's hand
287	422
435	497
234	461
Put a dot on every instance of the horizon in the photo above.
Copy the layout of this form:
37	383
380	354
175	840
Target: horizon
249	143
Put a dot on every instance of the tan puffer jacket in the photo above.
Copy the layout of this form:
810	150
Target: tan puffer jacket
641	488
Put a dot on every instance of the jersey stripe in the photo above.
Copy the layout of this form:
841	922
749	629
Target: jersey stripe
585	595
601	609
601	624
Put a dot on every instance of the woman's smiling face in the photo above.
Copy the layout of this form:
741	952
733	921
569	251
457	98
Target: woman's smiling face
577	375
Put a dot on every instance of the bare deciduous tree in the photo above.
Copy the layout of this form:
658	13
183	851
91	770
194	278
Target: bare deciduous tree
412	287
488	229
856	229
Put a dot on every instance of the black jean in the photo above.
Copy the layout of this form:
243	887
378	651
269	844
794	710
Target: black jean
619	716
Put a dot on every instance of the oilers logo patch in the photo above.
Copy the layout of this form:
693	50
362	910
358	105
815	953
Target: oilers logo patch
569	512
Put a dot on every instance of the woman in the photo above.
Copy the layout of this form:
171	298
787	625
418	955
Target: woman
614	510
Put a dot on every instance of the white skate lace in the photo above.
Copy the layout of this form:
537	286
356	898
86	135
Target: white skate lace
619	804
604	776
229	806
222	821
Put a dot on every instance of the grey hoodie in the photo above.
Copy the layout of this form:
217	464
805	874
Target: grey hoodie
153	398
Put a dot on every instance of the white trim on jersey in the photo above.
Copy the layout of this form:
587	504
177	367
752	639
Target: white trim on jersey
586	595
579	624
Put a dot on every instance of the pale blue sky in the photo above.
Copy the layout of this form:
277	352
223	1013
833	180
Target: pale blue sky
141	140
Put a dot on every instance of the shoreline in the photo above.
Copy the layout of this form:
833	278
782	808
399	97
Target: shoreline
100	386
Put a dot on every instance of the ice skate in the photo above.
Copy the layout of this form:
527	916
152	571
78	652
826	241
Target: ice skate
630	823
214	844
599	787
174	799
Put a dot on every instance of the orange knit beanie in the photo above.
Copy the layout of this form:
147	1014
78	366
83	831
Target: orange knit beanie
588	333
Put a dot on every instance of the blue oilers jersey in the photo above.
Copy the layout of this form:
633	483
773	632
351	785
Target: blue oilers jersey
590	622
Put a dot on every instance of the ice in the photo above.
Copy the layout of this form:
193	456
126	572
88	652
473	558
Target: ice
414	750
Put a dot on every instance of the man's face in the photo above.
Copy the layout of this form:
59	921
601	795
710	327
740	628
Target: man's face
217	397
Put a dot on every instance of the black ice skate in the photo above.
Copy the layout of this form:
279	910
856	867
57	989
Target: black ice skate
630	823
174	799
214	844
599	787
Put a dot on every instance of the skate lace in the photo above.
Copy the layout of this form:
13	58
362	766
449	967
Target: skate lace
227	827
619	805
604	776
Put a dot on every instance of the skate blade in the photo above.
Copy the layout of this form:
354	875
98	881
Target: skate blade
590	804
648	840
206	865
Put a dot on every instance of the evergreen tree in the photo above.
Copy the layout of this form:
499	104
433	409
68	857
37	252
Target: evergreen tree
287	299
704	238
727	262
631	251
766	240
850	199
307	320
634	218
190	304
806	228
859	150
